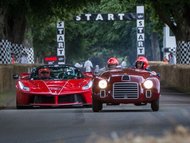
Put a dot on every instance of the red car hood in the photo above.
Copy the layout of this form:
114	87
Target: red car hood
54	86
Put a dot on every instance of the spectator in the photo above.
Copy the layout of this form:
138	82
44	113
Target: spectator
172	59
88	66
165	60
123	63
97	69
24	58
78	65
12	58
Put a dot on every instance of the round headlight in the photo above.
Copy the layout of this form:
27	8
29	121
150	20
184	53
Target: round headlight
102	84
148	84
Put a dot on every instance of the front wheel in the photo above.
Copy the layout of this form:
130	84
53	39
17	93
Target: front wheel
23	107
155	105
96	105
18	106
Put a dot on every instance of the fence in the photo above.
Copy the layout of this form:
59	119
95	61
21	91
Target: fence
10	51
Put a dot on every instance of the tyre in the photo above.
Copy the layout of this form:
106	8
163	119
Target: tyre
155	105
96	105
23	107
20	107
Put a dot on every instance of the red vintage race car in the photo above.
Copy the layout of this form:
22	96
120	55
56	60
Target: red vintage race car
125	86
54	86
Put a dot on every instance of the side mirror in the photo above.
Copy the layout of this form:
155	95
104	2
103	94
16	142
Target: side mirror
15	76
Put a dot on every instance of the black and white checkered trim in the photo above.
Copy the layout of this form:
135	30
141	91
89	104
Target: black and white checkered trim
172	50
183	52
5	52
7	48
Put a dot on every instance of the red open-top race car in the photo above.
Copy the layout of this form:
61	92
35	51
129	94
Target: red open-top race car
54	86
124	86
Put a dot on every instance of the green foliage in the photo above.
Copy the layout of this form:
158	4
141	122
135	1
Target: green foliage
105	36
101	40
44	41
175	14
106	39
97	40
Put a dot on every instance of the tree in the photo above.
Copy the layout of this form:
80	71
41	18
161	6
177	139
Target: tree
30	21
13	21
119	37
176	15
39	18
18	15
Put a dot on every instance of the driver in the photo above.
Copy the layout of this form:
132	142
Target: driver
44	73
112	63
141	63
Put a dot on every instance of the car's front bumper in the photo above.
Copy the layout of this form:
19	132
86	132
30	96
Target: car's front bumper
108	97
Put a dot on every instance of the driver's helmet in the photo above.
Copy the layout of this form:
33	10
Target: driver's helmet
112	62
44	73
141	62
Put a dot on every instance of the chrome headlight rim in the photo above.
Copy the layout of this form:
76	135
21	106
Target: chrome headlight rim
102	84
148	84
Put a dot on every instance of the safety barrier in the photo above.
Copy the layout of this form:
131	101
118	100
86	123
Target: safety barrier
176	76
7	82
12	53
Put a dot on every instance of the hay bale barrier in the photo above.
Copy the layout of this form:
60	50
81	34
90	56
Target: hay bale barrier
6	75
7	84
173	76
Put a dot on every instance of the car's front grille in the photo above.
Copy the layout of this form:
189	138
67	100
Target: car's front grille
50	99
125	90
70	98
43	99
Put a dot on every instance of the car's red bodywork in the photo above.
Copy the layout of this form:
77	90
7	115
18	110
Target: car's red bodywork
73	89
126	86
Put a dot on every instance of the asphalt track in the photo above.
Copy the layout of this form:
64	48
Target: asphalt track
71	125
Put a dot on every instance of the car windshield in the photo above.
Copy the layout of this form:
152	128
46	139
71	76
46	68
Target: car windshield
56	73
